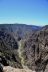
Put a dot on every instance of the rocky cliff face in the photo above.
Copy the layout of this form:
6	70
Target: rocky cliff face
8	48
35	50
24	46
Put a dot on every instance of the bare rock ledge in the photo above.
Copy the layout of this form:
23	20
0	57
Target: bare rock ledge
11	69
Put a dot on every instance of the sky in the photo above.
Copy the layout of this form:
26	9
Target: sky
33	12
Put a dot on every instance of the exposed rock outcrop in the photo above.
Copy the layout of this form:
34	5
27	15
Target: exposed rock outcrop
10	69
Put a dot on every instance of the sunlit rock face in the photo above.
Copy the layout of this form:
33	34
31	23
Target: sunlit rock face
10	69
